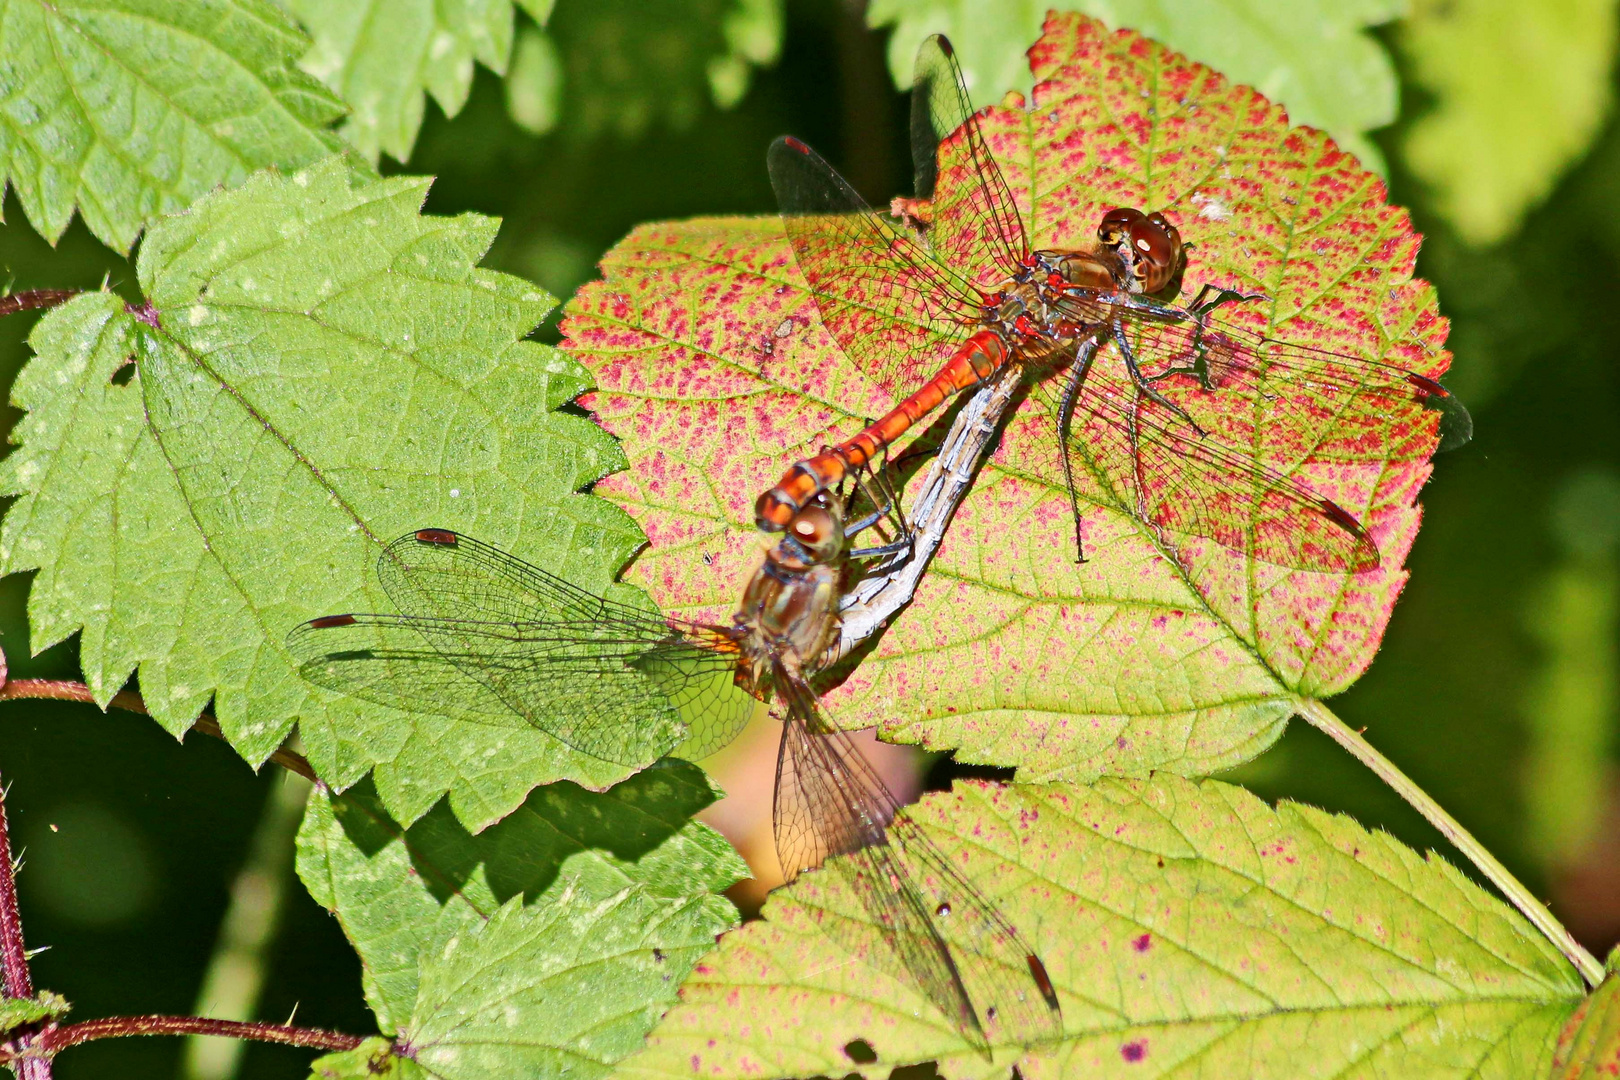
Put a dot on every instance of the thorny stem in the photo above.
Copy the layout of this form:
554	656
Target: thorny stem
64	690
1323	719
889	586
57	1039
17	982
34	299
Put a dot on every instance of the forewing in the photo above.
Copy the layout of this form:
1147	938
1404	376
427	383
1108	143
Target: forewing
894	309
984	211
486	634
941	933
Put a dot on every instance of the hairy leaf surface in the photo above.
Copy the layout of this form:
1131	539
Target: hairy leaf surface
1190	930
129	109
319	369
1315	58
715	369
549	943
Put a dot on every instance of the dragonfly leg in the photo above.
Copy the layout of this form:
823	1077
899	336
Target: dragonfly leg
1143	383
1211	297
1065	418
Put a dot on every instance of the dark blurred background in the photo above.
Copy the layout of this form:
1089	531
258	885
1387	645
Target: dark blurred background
1496	688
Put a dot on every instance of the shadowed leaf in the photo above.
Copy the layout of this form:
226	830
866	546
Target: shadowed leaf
549	943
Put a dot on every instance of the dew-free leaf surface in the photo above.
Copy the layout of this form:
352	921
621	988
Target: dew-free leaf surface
547	944
1315	58
320	369
714	368
1589	1045
1519	91
129	109
1190	930
384	57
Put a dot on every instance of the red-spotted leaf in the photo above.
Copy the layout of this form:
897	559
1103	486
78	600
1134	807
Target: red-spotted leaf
1159	652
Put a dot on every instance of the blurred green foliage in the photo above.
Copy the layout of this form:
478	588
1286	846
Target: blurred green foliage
1465	695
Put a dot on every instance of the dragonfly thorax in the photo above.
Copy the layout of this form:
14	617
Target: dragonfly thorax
789	612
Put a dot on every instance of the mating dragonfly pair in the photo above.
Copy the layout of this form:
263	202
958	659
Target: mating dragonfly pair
481	631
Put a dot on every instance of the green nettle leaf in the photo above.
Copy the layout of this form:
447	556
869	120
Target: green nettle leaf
373	1059
1313	57
1520	92
1135	660
1189	929
14	1012
549	943
630	65
130	109
319	369
381	56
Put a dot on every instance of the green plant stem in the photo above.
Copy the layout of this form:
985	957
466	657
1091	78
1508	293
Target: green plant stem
1323	719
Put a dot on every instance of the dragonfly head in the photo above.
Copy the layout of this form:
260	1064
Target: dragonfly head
1150	245
814	537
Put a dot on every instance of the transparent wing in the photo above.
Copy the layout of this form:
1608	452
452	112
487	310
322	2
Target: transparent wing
981	220
1252	412
894	309
945	937
485	635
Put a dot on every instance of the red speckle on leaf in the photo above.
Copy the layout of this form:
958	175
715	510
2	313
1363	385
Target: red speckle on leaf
1134	1051
697	1063
1143	943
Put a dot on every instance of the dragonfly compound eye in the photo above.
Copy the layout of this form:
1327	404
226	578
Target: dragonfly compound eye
1156	244
817	531
1117	223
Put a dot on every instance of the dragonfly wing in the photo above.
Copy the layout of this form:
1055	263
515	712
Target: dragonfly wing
1145	459
893	308
483	633
981	217
943	935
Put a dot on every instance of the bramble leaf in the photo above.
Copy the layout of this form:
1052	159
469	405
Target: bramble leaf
714	368
45	1005
1314	58
1189	929
1589	1045
557	935
1520	91
129	109
320	368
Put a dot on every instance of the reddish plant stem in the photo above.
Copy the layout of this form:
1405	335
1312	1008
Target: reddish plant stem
33	299
66	690
13	956
57	1039
18	983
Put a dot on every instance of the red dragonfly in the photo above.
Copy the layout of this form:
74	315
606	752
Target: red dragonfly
485	633
1199	430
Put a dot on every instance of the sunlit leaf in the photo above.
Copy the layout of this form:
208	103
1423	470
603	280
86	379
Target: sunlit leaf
384	56
129	109
1189	930
715	370
1519	90
320	368
1589	1045
373	1059
553	939
1314	57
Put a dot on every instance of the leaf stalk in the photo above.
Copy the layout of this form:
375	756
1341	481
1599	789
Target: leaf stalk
1324	720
